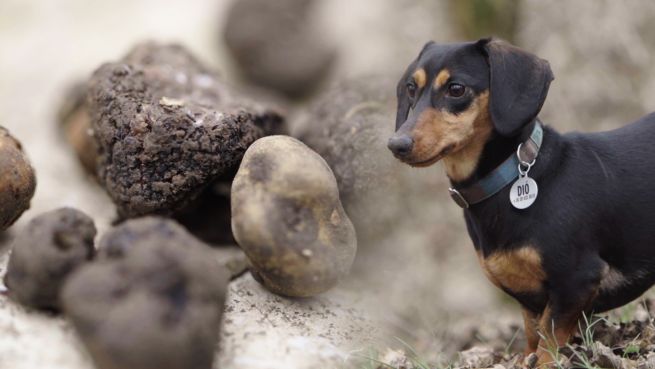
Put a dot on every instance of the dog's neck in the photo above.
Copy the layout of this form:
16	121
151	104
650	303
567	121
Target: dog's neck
482	155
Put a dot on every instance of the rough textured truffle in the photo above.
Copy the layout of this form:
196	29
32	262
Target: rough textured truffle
166	128
51	246
153	299
279	44
288	219
17	180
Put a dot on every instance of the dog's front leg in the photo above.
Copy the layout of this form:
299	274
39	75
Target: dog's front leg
554	332
559	320
531	325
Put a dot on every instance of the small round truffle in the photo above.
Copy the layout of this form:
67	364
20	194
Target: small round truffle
17	180
51	246
288	219
280	44
152	299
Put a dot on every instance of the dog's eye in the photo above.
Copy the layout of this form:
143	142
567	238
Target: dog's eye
411	90
456	90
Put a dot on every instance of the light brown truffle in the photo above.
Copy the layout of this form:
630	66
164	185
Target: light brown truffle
288	219
75	123
17	180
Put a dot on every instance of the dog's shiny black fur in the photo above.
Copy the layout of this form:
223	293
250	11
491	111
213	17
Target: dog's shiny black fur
593	221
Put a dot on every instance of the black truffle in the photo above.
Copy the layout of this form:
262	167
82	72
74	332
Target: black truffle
44	254
279	44
153	299
166	128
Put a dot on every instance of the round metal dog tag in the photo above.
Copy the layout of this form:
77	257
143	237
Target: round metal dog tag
523	192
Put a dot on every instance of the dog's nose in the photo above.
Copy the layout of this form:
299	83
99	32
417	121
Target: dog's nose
400	145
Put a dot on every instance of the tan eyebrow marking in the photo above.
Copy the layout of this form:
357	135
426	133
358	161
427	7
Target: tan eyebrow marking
441	78
420	77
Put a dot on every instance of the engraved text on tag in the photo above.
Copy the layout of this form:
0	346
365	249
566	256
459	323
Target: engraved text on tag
523	192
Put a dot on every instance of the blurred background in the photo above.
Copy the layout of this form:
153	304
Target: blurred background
416	276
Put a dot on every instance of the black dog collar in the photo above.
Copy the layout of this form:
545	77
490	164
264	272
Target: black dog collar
503	175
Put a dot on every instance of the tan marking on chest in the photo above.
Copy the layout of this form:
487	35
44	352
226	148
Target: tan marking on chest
518	270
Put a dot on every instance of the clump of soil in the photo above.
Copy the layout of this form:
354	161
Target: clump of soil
152	299
166	128
17	180
279	44
288	219
44	254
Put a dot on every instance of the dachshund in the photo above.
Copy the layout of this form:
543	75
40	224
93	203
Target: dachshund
561	222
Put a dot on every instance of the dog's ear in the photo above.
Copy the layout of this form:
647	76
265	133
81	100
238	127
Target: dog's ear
401	90
403	100
518	84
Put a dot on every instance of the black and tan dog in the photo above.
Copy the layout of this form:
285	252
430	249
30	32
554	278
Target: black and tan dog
585	241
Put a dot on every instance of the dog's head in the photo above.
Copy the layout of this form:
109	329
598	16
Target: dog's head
453	95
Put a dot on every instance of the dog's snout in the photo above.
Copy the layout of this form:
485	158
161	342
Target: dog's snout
400	145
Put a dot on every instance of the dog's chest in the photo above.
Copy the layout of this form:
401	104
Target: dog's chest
518	270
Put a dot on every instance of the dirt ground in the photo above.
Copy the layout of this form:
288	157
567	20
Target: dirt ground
421	282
